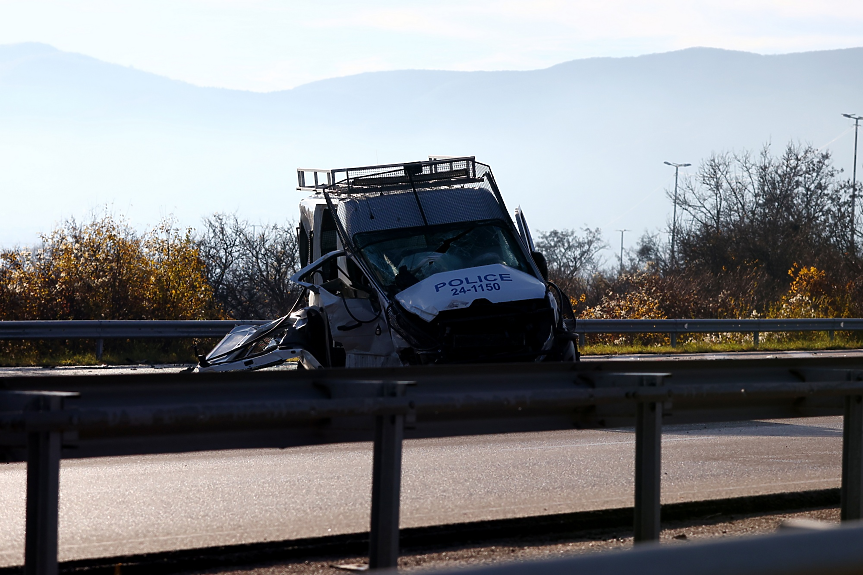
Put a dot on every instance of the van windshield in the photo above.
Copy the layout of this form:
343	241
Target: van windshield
402	257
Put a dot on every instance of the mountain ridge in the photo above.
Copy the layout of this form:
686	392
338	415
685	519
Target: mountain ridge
578	143
36	49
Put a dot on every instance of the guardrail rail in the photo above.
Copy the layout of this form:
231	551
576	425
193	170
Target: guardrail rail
819	552
100	330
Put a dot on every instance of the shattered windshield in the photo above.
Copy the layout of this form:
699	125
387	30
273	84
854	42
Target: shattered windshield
402	257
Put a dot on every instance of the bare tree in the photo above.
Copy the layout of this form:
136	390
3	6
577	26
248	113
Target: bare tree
249	266
651	254
759	211
572	256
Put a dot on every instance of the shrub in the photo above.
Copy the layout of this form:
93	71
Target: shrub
105	270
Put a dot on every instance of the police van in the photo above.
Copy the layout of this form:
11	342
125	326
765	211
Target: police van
409	264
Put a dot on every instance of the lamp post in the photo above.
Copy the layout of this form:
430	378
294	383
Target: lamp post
674	217
854	176
621	249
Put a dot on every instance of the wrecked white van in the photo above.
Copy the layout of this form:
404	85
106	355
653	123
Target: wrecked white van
409	264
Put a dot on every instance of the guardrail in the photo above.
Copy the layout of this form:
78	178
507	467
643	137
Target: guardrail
119	329
45	418
134	329
101	330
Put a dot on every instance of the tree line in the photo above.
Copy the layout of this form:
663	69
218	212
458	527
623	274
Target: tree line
105	269
759	234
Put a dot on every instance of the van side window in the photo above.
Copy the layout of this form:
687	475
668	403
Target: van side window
352	283
329	243
303	244
358	281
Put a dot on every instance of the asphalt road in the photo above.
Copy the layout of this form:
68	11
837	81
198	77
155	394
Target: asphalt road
131	505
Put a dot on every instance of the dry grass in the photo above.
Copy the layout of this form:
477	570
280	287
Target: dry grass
115	352
722	343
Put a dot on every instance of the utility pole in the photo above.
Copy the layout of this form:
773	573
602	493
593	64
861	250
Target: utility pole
854	177
674	217
621	249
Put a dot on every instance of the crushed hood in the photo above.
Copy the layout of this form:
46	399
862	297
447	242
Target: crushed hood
458	289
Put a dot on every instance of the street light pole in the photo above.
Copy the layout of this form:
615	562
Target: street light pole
854	177
621	249
674	217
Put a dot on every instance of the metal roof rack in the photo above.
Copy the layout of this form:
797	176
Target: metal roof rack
438	171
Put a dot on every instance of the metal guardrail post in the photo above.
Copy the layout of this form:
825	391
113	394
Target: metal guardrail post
852	459
43	494
100	346
755	338
648	465
386	485
673	339
830	335
582	340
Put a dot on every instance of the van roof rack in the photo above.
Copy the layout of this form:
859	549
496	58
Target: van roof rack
437	171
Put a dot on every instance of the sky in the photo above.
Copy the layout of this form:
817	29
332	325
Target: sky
267	45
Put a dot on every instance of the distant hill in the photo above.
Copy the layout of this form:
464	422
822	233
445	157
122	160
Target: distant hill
578	143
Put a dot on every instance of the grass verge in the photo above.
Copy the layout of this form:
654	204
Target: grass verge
721	343
115	352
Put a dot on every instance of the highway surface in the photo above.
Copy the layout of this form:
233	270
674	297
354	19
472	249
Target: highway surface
132	505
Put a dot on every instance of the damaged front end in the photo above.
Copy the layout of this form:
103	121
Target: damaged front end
250	347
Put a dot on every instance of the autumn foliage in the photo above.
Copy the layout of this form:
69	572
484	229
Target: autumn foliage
104	269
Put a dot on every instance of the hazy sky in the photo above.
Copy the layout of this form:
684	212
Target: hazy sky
266	45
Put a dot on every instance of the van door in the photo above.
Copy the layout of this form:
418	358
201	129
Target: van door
523	230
